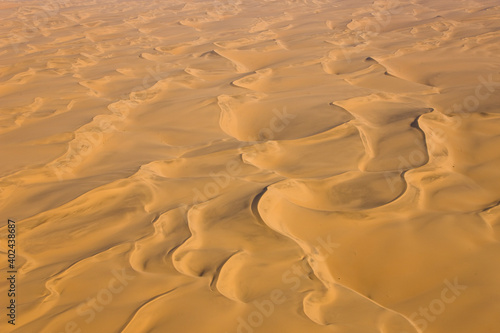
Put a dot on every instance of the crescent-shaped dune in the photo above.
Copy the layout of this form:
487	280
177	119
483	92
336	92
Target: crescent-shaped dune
250	166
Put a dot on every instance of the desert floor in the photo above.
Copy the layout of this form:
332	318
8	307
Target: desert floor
245	166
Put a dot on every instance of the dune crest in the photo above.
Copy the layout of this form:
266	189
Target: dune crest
243	166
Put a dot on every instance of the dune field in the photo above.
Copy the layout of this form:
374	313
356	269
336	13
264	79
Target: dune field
241	166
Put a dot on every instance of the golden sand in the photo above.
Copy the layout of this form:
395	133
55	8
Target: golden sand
244	166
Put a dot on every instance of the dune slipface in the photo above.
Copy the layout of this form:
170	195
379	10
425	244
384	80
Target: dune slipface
242	166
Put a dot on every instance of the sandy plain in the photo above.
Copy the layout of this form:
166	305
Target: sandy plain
251	166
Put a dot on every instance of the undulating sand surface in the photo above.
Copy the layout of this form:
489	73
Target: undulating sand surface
248	166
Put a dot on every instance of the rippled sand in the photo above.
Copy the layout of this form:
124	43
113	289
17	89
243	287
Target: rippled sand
252	166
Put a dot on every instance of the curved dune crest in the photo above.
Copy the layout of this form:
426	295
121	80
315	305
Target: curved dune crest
345	192
251	166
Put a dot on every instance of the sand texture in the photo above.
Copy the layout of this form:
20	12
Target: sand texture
237	166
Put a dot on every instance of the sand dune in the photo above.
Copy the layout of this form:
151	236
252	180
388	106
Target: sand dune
251	166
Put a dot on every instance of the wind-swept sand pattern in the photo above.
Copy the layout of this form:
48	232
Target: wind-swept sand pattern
251	166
